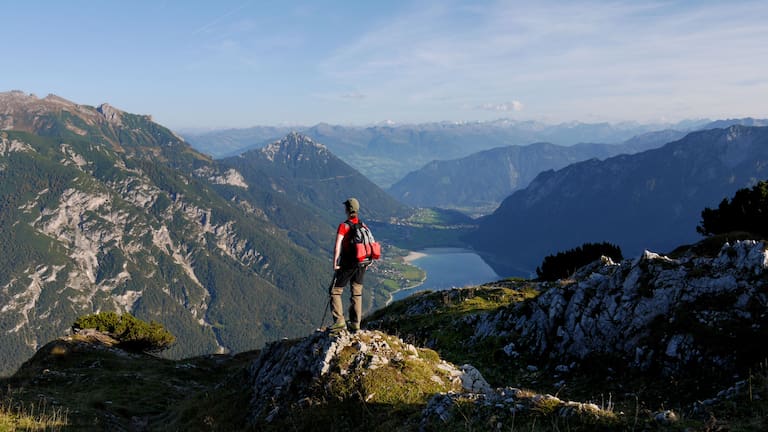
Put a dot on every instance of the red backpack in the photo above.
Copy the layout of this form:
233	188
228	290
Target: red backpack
366	248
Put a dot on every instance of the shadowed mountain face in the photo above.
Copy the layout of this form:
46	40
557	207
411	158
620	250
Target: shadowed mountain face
651	200
105	210
482	180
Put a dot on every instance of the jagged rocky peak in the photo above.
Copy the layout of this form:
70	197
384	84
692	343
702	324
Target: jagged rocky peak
111	114
294	147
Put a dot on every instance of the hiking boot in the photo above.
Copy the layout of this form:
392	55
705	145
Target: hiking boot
337	326
352	327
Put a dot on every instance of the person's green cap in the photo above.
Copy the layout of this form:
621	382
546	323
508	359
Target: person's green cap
352	205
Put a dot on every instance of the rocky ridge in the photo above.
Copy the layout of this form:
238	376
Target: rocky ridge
22	111
618	309
687	324
652	312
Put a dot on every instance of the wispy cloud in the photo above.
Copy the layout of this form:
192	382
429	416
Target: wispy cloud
501	107
563	55
210	25
353	96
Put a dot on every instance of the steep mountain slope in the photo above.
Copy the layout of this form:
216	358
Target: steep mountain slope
313	176
106	210
650	200
484	179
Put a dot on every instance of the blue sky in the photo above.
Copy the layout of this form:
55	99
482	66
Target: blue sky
212	64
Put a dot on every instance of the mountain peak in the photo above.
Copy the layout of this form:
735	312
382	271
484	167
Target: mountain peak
297	138
110	113
294	147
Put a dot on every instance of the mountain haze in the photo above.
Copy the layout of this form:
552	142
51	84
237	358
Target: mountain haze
386	153
650	200
482	180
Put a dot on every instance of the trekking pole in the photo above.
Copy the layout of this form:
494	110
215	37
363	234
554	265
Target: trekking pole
328	304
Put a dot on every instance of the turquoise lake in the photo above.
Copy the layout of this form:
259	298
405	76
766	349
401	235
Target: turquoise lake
448	268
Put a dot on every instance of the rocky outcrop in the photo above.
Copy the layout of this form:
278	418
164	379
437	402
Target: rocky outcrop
9	146
292	374
299	374
111	114
497	409
229	177
653	312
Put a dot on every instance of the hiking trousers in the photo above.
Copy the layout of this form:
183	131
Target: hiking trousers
354	277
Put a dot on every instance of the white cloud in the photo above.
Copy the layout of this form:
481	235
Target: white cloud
502	107
353	96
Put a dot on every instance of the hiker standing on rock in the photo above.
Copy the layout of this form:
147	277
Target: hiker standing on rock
347	271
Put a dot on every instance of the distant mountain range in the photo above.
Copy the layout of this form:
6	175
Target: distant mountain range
385	154
479	182
482	180
106	210
650	200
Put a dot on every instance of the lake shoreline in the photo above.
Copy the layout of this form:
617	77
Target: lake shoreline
444	268
413	256
408	259
468	261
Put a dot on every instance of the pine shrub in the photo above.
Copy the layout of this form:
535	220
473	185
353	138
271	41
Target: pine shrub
132	333
746	211
564	264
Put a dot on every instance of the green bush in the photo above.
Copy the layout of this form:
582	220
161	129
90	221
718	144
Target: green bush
747	211
132	333
564	264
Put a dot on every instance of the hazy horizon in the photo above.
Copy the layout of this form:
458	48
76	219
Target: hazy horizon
628	124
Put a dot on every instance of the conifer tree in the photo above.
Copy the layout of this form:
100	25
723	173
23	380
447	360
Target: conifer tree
746	211
564	264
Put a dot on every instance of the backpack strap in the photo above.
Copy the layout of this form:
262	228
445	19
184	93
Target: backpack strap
351	225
